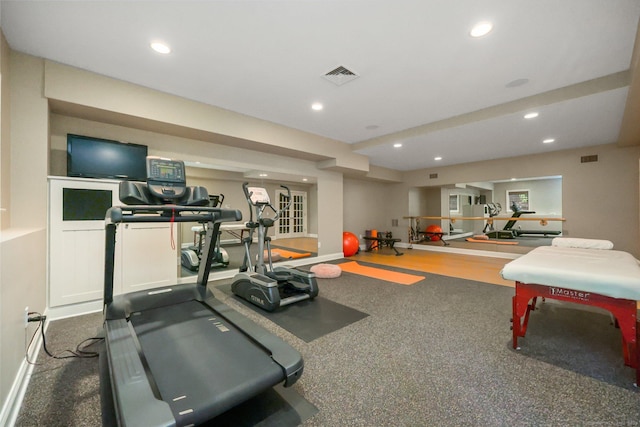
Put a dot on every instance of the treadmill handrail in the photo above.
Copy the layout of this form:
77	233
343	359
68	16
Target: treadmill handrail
163	213
169	213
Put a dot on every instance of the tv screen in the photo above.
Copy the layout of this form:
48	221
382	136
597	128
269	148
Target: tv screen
102	158
79	204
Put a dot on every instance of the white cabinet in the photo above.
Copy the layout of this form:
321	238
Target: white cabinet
148	257
145	255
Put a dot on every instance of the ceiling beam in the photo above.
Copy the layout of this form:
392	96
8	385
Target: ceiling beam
589	87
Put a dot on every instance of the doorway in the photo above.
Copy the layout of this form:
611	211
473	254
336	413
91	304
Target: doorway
293	221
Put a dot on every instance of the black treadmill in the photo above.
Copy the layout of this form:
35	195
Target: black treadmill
176	356
509	232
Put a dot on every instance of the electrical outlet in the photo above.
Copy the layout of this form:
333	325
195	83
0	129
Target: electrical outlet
26	316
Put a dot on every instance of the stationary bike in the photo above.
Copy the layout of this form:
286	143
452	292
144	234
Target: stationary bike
262	284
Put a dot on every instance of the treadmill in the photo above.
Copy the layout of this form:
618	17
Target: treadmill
175	355
509	232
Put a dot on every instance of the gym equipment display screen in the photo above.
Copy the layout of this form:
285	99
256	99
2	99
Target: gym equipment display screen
166	178
165	170
102	158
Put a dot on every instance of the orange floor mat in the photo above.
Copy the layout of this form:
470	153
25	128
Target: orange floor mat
290	254
380	273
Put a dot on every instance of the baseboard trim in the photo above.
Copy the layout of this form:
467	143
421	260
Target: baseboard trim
72	310
13	403
461	251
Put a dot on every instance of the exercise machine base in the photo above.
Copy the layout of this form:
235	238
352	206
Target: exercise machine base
271	293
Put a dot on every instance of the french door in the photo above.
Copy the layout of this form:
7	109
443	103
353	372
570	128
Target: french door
293	221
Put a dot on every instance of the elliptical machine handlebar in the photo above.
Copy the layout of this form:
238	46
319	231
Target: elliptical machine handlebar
247	195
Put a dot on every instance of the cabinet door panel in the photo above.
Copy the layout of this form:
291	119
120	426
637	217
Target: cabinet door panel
77	267
148	258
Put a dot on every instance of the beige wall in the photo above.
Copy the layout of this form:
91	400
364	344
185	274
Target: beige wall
24	150
330	214
5	141
22	279
29	142
365	206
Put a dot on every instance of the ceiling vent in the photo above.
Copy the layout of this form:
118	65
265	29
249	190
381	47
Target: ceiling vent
340	76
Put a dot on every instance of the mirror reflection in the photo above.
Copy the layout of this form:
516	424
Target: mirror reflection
505	216
293	235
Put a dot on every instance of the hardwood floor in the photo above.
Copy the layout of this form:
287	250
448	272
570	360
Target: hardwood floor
479	268
308	244
471	267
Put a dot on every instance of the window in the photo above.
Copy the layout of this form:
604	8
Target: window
519	199
454	203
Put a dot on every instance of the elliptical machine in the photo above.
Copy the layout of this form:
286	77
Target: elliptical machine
262	284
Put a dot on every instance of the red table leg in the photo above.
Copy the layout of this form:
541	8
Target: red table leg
624	311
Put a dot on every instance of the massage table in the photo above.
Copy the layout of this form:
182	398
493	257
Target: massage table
583	271
235	229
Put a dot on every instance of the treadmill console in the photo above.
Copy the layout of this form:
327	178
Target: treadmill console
166	178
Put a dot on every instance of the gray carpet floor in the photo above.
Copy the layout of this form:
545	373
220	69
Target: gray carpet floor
437	353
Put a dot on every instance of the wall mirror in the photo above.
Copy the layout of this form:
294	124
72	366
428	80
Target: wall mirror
293	236
514	203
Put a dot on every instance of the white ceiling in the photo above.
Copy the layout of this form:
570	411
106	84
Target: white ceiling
423	80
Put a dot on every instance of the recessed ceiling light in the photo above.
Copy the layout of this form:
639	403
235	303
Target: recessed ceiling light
531	115
513	179
437	158
548	141
263	175
481	29
305	179
316	106
397	145
160	47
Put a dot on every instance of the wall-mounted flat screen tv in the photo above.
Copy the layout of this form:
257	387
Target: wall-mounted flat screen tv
102	158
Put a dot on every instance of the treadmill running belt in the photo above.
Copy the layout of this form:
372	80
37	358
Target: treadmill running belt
201	363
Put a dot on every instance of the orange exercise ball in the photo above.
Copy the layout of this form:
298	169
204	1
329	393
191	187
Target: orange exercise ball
350	244
434	232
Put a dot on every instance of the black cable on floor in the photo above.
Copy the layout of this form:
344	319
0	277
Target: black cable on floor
80	351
